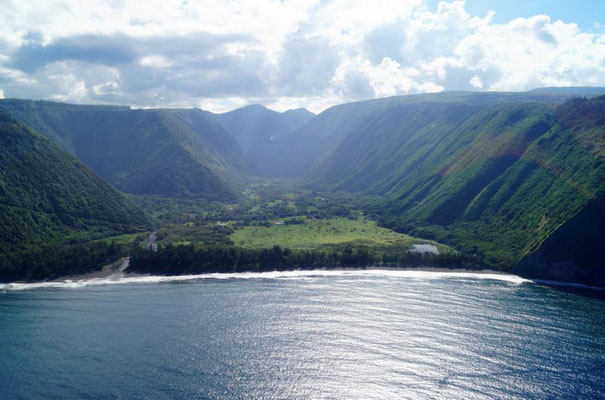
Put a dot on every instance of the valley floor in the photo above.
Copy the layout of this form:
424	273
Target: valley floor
275	226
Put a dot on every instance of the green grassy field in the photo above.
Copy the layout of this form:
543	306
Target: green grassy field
184	234
126	239
321	233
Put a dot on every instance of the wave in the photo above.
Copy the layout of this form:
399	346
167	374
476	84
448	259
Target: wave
120	279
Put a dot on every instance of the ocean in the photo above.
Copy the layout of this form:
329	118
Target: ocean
367	334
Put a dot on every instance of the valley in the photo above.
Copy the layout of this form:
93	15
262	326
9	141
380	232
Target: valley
456	179
402	199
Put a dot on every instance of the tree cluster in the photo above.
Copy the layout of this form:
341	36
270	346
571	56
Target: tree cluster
59	260
176	260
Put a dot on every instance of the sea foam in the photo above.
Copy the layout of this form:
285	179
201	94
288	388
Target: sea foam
120	279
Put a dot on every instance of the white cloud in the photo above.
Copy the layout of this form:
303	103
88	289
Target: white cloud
476	82
155	61
77	90
358	78
1	94
105	88
532	52
284	54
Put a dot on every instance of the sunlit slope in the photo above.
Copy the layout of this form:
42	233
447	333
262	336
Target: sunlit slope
509	189
497	179
164	152
47	195
579	239
440	175
314	149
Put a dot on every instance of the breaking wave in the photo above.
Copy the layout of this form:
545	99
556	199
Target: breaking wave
120	279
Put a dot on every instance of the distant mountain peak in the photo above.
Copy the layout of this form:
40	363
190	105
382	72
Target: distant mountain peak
257	129
253	107
301	110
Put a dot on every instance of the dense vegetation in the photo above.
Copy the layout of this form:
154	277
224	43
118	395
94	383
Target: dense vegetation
577	241
258	205
503	197
48	197
174	260
273	217
179	153
58	260
207	234
46	194
382	126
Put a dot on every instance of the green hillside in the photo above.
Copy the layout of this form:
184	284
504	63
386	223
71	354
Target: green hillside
496	179
48	196
507	190
180	153
578	241
309	150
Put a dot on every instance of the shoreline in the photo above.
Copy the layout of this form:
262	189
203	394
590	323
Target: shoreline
115	273
117	269
103	278
111	270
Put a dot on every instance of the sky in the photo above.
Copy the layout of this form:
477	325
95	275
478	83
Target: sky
221	55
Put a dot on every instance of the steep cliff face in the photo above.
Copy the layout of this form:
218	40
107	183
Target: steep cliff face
574	252
496	178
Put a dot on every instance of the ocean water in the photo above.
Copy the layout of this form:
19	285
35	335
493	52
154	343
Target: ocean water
301	335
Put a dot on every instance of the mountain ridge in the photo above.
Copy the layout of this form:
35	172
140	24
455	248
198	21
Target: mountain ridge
160	151
258	129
